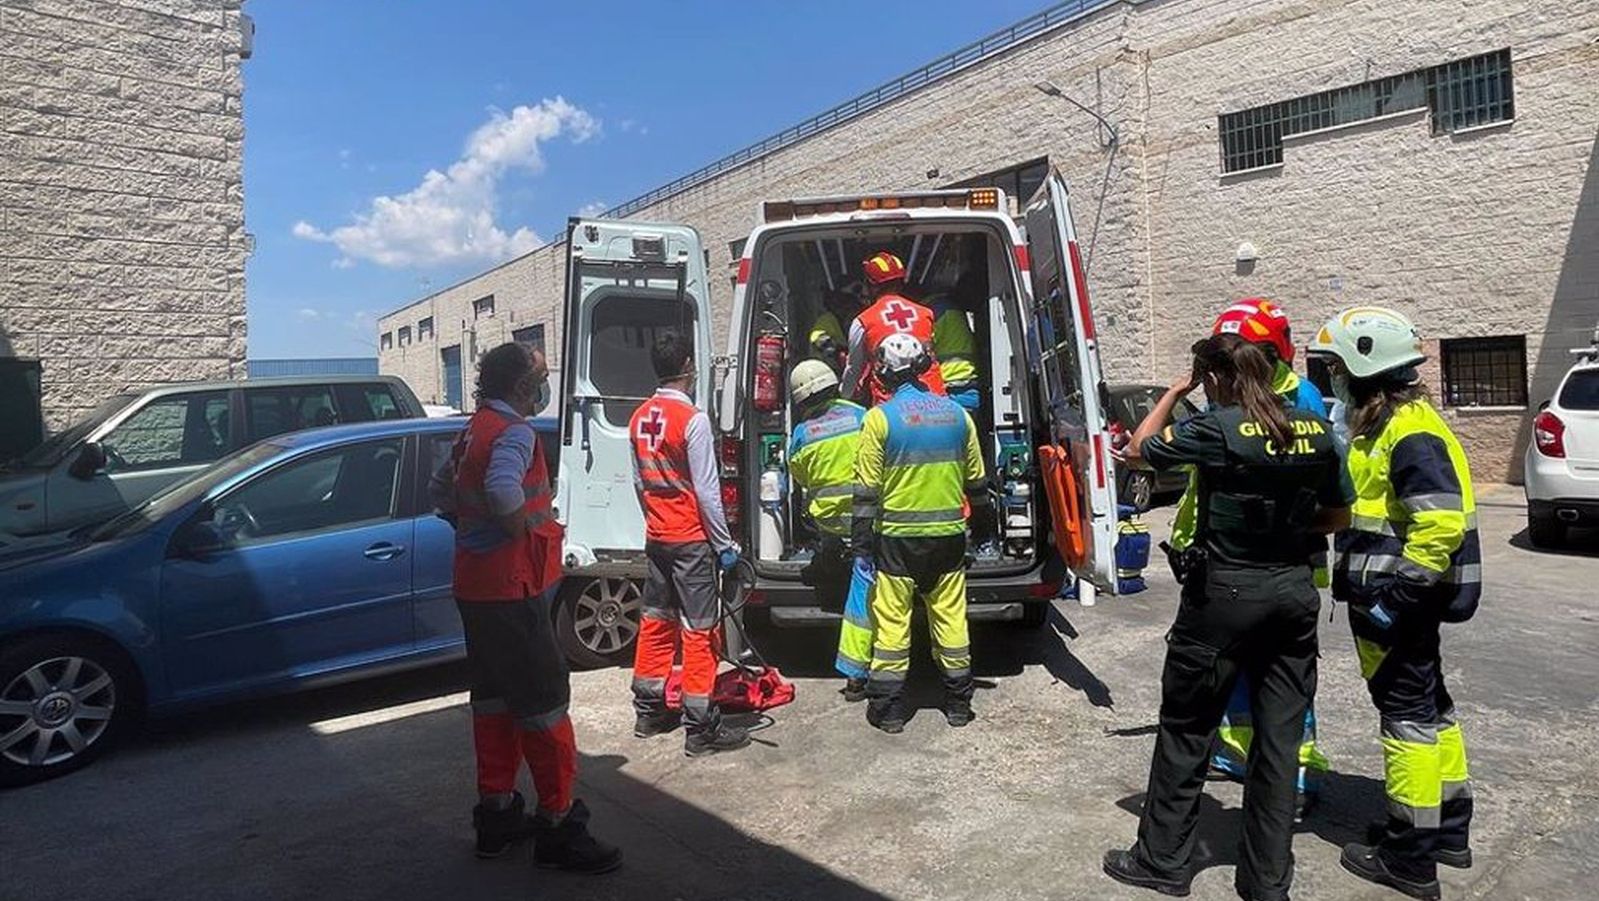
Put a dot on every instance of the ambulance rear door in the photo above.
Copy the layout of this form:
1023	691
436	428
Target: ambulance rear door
626	283
1063	350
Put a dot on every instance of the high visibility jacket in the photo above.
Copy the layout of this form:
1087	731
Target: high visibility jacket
658	431
918	459
954	346
827	327
892	314
821	460
1414	517
491	565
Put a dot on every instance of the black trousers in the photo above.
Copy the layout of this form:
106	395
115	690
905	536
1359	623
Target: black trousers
515	664
829	573
1422	742
1255	622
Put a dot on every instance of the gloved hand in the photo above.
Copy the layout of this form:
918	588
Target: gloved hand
728	558
865	566
1379	616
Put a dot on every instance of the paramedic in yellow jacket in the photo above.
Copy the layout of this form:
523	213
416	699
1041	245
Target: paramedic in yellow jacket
821	462
1409	562
918	464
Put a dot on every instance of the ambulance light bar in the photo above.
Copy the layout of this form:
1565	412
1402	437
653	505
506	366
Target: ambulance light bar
970	199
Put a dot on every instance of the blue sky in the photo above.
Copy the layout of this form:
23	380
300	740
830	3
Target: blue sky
525	113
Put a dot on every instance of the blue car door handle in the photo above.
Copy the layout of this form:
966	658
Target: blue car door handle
383	551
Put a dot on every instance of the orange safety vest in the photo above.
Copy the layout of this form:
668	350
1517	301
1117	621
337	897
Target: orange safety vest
659	432
892	314
491	565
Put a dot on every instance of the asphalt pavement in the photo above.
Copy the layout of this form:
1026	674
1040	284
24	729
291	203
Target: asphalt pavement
364	791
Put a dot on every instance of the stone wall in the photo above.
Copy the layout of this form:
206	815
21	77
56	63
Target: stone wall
1489	233
122	242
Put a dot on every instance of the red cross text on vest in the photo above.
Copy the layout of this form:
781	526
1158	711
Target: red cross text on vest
653	429
899	316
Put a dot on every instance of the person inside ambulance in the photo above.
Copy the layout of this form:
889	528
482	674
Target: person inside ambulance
1266	325
1409	562
1269	475
821	463
828	340
685	541
890	313
954	344
495	490
917	469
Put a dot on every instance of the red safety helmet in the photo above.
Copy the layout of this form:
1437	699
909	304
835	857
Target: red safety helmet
1258	321
883	268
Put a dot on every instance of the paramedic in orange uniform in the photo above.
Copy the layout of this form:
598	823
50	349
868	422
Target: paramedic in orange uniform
891	313
495	490
685	540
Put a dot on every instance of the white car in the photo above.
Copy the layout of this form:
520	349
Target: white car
1562	470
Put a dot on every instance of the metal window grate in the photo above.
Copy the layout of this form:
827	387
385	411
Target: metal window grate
969	55
1460	94
1485	372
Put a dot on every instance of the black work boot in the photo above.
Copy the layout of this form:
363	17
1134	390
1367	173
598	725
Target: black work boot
854	691
660	722
958	710
501	829
1459	858
886	712
714	740
1366	862
1125	867
567	845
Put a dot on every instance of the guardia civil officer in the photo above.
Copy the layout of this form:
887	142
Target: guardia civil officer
1266	473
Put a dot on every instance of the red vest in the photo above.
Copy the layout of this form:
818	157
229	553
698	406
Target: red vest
659	431
892	314
491	565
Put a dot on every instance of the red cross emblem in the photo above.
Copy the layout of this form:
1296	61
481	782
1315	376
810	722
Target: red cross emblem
653	429
899	316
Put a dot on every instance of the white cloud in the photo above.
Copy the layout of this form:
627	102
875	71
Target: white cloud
449	217
593	209
308	314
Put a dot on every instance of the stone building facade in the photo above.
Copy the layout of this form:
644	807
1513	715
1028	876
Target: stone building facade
122	242
1484	227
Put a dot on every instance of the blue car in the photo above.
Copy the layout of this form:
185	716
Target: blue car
305	559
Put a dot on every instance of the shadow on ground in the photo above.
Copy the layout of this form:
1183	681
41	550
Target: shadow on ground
339	806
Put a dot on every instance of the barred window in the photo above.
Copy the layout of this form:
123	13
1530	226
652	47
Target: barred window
1459	95
1485	372
483	306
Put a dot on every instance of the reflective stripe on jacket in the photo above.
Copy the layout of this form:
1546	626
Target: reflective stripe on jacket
954	345
821	460
658	432
490	564
1414	517
918	459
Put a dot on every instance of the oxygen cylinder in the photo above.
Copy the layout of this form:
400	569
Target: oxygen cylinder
771	524
768	372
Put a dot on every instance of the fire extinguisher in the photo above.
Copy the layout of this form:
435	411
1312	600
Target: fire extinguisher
768	371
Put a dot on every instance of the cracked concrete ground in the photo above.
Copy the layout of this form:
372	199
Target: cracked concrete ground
363	791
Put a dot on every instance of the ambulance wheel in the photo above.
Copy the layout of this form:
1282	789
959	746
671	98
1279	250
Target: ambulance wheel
597	620
1137	488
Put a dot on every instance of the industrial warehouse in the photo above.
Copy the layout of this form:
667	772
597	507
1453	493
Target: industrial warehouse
1434	157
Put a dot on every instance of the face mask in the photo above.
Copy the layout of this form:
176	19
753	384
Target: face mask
1340	389
541	397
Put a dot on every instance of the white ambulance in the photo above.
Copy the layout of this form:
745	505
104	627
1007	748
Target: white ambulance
1021	285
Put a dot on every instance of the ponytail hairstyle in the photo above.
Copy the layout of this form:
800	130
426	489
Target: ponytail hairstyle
1377	398
1242	374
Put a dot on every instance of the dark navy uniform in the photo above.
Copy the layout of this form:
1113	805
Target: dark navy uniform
1251	611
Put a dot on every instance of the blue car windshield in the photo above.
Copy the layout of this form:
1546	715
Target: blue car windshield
177	495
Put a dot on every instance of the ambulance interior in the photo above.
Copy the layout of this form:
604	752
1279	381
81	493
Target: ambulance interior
800	274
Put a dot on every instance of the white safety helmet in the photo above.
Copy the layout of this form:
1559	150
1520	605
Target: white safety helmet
902	356
810	378
1370	341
